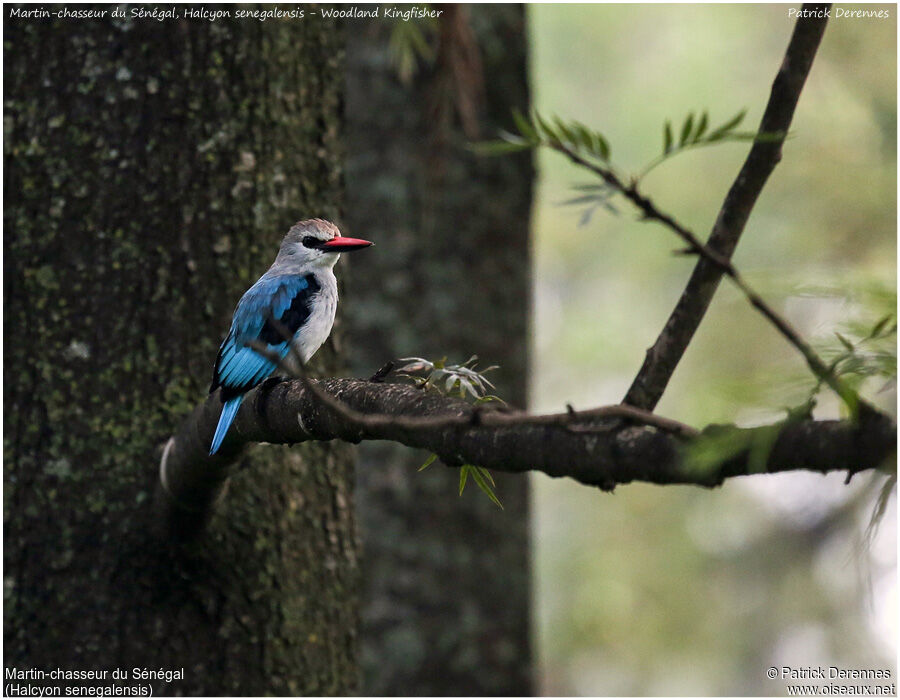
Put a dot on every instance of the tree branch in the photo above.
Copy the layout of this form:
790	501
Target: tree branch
650	212
601	447
297	369
663	357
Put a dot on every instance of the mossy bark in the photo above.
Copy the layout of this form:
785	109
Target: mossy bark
151	170
446	579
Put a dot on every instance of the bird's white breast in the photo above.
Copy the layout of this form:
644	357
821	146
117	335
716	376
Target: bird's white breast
323	306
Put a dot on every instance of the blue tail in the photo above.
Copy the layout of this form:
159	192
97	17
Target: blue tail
229	411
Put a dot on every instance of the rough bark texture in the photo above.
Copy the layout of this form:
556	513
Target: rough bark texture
587	446
445	578
151	170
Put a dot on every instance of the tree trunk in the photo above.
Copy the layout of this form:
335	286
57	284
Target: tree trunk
151	170
446	582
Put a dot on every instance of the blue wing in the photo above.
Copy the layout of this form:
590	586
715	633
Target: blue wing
285	299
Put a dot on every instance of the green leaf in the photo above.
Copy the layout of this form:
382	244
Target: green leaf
761	447
582	199
728	126
428	463
464	386
846	343
500	148
488	475
567	133
584	135
488	398
878	327
715	445
667	138
478	474
761	137
463	475
407	45
701	126
880	508
686	129
602	146
546	128
525	127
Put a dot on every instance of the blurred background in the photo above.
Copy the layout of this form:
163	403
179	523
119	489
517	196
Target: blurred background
650	591
680	590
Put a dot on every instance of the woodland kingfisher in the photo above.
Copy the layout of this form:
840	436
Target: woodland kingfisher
296	298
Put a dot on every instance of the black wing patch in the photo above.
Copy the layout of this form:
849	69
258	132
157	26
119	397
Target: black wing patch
238	368
294	316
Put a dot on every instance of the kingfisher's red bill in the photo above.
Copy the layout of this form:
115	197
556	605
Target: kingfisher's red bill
341	244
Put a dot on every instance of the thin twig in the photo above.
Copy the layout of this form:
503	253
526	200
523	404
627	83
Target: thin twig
663	357
494	417
486	416
650	212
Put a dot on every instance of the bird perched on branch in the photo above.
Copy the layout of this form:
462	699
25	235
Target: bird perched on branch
297	298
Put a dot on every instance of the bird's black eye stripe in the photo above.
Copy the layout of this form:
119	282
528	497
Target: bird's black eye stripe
312	242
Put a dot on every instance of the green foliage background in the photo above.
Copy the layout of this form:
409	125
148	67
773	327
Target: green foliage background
679	590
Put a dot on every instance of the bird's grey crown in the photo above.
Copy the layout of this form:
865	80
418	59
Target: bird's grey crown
319	228
296	257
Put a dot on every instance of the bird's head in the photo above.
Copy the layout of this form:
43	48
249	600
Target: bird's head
316	242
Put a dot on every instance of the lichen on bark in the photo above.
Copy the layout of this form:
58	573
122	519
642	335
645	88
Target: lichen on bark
151	169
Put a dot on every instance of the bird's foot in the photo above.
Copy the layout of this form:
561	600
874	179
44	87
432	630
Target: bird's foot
382	374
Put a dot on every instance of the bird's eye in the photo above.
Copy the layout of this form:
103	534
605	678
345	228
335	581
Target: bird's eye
311	242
